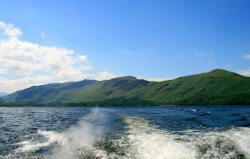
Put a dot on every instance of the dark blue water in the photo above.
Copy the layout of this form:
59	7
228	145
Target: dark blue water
221	132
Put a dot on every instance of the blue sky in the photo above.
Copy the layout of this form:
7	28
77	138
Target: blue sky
145	38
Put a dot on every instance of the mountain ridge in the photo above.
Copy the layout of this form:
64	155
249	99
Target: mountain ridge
217	87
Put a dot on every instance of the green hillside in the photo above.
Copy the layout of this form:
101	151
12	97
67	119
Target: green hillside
214	88
45	94
218	87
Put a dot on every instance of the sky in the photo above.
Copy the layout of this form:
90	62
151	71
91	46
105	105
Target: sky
69	40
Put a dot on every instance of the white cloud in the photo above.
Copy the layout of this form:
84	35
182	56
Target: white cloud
24	64
9	30
246	56
158	79
11	85
104	75
245	73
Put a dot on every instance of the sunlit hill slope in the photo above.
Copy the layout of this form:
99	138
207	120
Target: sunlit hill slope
218	87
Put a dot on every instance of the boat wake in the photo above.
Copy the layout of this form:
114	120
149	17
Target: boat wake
140	140
146	141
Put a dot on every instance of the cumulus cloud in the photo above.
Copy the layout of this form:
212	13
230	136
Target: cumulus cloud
9	30
24	63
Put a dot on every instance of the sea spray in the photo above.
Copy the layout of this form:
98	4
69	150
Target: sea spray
138	137
76	142
81	138
51	137
144	140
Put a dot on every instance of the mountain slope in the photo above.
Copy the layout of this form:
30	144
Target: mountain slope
45	94
217	87
103	90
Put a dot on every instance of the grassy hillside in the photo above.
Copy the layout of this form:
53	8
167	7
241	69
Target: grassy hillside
218	87
47	93
215	87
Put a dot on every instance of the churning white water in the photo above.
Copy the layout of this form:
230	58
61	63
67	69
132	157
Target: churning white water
144	140
140	139
76	142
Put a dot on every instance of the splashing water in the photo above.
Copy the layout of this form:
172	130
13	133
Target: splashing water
99	135
76	142
146	141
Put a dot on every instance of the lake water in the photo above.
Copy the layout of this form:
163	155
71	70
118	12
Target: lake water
174	132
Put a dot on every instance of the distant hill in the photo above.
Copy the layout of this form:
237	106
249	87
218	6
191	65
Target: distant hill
218	87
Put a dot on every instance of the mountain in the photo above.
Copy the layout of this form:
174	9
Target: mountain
218	87
49	93
2	94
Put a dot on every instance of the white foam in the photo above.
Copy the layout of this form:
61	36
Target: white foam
51	136
142	140
80	142
147	141
241	138
82	138
77	141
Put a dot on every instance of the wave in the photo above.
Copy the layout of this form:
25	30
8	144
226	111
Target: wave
144	140
140	140
76	142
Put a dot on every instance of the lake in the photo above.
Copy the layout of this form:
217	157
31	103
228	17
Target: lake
170	132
